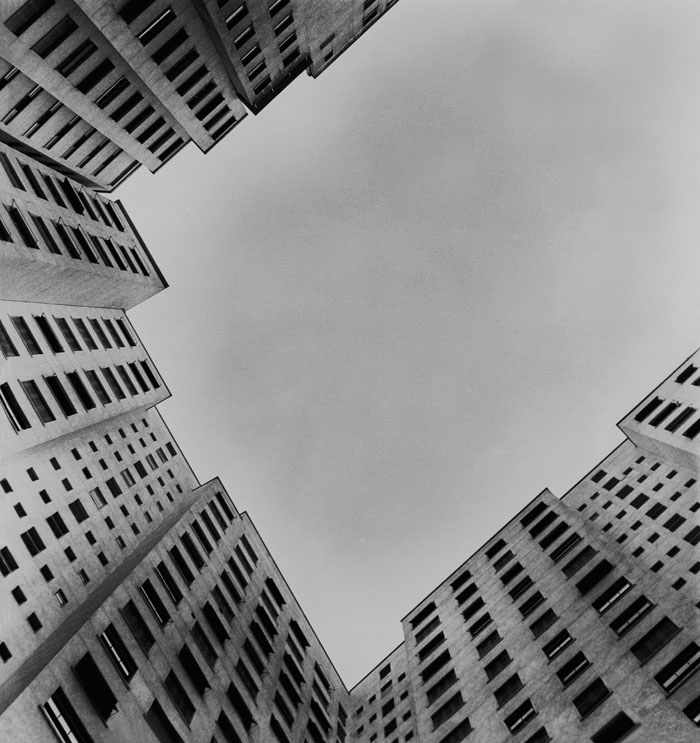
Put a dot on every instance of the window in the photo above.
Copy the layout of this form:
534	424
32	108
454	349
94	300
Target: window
178	695
63	719
48	333
543	623
193	670
655	639
634	613
138	626
447	710
557	644
60	395
573	668
508	689
521	587
578	561
501	661
26	335
441	686
156	718
473	608
615	729
693	536
154	602
565	547
692	711
674	674
435	665
7	347
7	561
32	541
57	525
78	510
520	717
169	583
98	387
204	644
591	579
611	595
95	686
528	606
591	697
480	625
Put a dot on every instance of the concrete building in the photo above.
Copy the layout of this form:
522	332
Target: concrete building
96	88
139	604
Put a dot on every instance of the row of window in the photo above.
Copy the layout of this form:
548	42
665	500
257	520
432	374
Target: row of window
62	192
666	412
120	338
19	421
57	237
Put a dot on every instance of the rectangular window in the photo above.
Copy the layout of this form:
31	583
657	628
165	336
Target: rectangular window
480	625
557	644
181	565
60	395
591	697
628	618
498	664
565	547
130	386
46	235
528	606
488	643
553	535
578	561
169	583
521	587
8	564
37	400
68	334
7	347
178	695
447	710
612	595
32	541
204	644
85	334
80	390
473	608
656	638
26	335
100	333
573	668
118	652
155	603
520	717
78	510
117	391
615	729
594	576
15	415
139	378
192	551
76	58
543	623
435	665
193	670
506	691
158	721
48	333
98	387
63	719
648	409
441	686
57	525
138	626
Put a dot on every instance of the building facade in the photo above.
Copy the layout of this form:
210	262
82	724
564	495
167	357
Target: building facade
139	603
96	88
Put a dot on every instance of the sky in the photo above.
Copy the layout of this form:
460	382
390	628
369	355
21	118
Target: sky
414	292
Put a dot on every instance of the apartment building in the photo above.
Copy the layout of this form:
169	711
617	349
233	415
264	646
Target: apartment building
141	604
94	89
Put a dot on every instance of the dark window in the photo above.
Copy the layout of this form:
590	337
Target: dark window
519	588
60	395
573	668
480	625
435	665
441	686
473	608
674	674
565	547
692	711
528	606
534	512
543	623
591	697
204	644
425	631
495	548
95	686
18	420
158	721
508	689
648	409
193	670
169	583
611	595
520	717
182	567
26	335
593	577
557	644
155	603
430	646
178	695
32	541
511	573
63	719
460	580
447	710
7	562
634	613
655	639
578	561
501	661
543	524
553	535
57	525
615	729
488	643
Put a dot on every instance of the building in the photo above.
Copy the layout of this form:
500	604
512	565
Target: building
578	621
96	89
142	604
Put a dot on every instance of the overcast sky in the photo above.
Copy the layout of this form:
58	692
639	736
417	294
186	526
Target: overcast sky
414	292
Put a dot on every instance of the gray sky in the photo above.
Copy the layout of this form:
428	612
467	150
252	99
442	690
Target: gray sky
414	292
